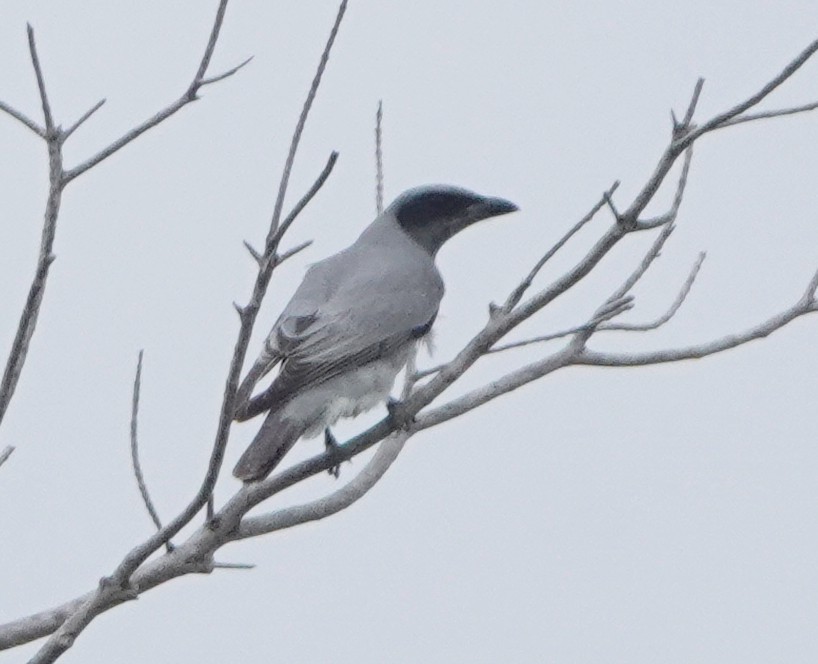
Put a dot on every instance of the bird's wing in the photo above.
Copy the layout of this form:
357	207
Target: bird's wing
347	313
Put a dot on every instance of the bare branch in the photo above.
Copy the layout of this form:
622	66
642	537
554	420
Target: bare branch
38	72
333	503
227	74
720	120
664	318
5	454
233	566
297	249
274	235
379	158
305	199
607	311
694	101
31	309
503	385
65	134
643	266
588	357
211	46
752	117
137	467
253	252
808	299
608	198
342	498
20	117
188	96
517	294
670	216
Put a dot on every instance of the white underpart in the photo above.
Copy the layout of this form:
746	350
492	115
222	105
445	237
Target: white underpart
348	395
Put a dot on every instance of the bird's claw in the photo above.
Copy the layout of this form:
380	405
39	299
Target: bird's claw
332	445
400	417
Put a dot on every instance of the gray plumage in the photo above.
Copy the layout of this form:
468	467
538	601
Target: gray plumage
350	326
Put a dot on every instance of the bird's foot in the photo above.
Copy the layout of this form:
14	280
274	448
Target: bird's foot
400	417
332	445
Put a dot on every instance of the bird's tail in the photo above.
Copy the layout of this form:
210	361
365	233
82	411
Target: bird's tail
275	438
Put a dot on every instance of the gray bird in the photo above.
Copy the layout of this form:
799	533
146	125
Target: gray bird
350	326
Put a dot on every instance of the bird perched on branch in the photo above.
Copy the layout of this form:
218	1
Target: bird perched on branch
350	326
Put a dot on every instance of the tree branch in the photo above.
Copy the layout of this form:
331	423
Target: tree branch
805	305
136	573
38	72
137	467
22	118
274	235
82	120
722	120
118	586
58	180
379	159
517	294
188	96
664	318
5	454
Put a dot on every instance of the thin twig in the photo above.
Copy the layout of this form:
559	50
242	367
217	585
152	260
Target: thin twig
694	102
253	252
188	96
719	120
304	200
233	566
517	294
809	295
603	314
20	117
664	318
5	454
224	75
211	46
297	249
65	134
602	359
379	158
31	310
274	236
670	216
647	260
752	117
137	467
38	72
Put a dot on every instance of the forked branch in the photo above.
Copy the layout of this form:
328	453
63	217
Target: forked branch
136	573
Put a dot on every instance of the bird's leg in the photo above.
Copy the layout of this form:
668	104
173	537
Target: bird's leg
397	413
331	443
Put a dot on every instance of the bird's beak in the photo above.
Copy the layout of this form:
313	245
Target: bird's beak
491	207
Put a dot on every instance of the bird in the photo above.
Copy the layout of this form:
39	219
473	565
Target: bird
351	325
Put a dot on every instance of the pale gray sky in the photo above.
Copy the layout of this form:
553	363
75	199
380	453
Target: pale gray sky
665	514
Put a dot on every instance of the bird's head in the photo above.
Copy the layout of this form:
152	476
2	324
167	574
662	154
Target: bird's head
431	214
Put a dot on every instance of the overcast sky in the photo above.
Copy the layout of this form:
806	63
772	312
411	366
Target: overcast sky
665	514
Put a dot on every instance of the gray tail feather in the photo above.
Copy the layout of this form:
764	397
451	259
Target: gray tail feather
275	438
